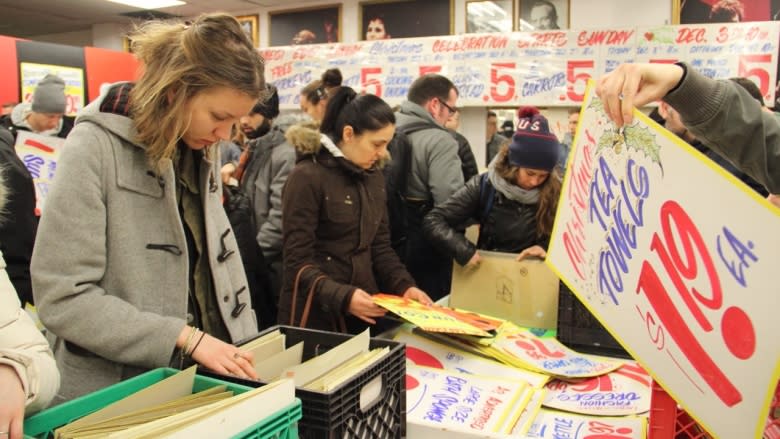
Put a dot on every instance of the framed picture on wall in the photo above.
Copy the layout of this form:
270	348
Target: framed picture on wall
384	19
723	11
543	15
250	27
315	25
489	16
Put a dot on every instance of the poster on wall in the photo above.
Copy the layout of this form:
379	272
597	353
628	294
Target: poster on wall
536	15
545	68
405	18
724	11
489	16
315	25
31	73
690	294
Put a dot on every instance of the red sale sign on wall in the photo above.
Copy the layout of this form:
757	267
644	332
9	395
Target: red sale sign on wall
544	68
678	259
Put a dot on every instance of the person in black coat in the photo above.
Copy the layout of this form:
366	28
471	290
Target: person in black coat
514	201
468	163
17	231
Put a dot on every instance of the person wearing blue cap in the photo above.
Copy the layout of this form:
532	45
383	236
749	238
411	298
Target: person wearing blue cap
514	201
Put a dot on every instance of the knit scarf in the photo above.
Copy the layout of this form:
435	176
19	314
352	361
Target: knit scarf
511	191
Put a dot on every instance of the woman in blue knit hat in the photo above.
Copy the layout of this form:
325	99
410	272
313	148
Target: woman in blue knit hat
514	201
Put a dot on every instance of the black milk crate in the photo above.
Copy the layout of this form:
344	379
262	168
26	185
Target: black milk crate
581	331
338	414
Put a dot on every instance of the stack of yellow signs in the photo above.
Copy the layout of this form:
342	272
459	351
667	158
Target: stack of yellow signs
520	347
437	318
322	373
169	409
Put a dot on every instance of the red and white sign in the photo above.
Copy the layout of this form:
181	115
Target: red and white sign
678	259
546	68
40	155
625	391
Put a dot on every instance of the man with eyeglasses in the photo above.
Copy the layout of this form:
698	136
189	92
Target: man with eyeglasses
435	175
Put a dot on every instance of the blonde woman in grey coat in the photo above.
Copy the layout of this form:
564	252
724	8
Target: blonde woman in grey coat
135	265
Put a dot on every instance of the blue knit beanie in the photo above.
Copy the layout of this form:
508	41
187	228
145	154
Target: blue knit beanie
533	145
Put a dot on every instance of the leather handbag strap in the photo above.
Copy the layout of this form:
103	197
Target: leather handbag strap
309	297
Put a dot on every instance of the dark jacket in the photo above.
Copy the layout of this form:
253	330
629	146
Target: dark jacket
510	226
468	164
17	231
724	116
334	221
725	164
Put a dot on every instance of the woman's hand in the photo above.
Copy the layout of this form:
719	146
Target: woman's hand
227	172
419	295
474	262
774	199
363	307
532	252
215	354
12	399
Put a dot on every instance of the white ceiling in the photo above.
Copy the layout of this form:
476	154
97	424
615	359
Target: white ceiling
28	18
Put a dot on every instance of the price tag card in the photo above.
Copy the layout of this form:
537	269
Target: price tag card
678	260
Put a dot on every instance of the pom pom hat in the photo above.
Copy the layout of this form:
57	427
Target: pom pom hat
533	145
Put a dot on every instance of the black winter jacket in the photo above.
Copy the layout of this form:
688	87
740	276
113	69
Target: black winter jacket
508	227
18	229
468	163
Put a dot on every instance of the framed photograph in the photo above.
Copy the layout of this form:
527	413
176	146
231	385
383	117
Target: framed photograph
315	25
250	27
489	16
722	11
543	15
383	19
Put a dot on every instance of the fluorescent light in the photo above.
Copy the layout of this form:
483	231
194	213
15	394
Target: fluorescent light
149	4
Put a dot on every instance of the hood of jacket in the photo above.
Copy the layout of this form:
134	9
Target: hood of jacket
308	141
305	137
19	118
111	111
410	111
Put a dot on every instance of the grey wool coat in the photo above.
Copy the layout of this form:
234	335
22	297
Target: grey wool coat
110	270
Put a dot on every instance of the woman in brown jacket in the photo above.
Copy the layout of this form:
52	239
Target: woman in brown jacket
334	221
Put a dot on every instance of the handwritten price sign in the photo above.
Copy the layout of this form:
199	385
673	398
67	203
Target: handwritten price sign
40	155
527	68
685	283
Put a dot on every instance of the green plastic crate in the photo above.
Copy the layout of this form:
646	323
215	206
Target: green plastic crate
281	425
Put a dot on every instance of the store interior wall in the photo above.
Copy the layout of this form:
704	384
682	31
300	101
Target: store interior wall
583	14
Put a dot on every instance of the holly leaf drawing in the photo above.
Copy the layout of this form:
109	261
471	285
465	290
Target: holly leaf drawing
643	140
597	105
610	139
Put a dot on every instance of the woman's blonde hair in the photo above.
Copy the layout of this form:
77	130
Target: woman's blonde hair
179	61
549	191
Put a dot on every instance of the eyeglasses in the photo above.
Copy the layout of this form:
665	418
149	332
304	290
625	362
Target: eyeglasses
450	109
